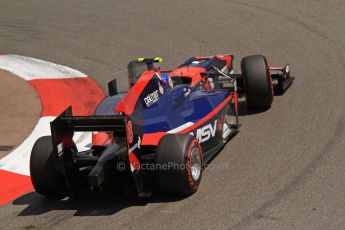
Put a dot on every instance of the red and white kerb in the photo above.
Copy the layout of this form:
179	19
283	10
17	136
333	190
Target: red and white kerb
58	87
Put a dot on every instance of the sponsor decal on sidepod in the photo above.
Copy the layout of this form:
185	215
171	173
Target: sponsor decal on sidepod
206	132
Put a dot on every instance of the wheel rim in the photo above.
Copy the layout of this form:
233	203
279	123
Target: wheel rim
195	162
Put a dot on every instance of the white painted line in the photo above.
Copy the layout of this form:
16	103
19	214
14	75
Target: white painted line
30	68
83	140
18	160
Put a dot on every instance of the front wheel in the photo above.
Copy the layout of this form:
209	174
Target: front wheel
46	179
257	82
135	69
179	164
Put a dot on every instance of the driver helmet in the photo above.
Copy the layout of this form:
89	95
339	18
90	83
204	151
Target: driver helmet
166	79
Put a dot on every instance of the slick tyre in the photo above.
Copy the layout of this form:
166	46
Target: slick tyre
257	82
44	176
179	164
135	69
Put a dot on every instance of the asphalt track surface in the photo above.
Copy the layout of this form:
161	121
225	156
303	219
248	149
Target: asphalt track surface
284	170
14	115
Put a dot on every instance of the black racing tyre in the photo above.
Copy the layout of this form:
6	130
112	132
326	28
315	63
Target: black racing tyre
257	82
178	164
44	176
135	69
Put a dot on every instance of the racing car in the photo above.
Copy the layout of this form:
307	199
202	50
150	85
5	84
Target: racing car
162	132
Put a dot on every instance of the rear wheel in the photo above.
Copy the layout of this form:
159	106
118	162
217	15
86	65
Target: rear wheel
135	69
46	179
257	82
179	164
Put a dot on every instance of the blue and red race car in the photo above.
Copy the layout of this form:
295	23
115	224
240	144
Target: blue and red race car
162	132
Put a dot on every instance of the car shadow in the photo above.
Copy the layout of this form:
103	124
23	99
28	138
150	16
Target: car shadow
87	203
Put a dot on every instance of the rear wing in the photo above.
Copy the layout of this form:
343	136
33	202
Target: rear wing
64	126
